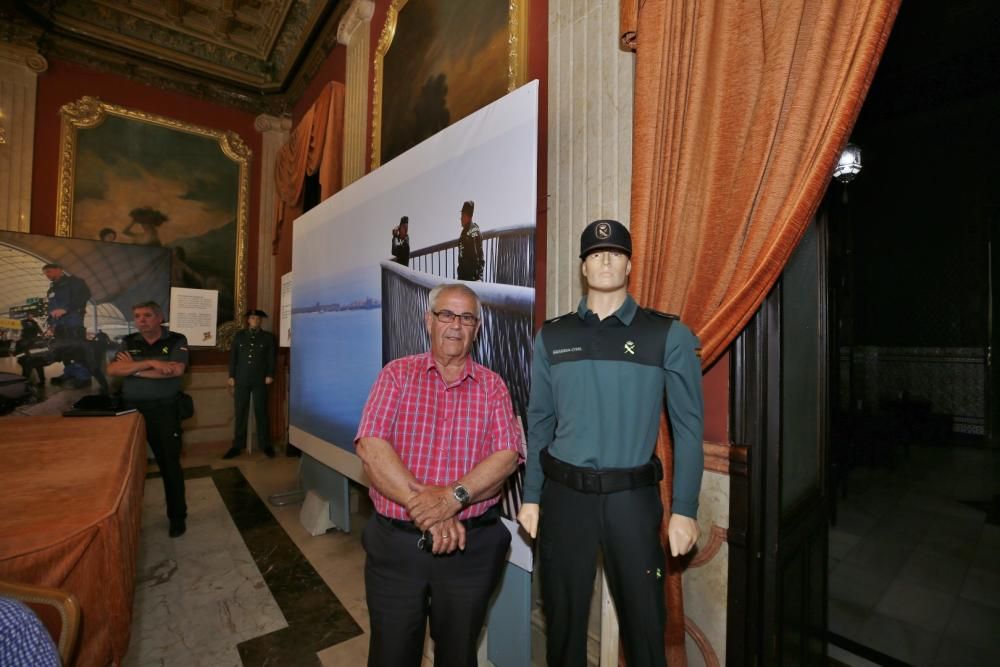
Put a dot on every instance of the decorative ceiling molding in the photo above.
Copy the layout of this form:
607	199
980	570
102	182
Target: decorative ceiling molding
255	55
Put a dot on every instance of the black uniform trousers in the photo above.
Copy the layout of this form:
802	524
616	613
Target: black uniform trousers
242	393
163	431
405	584
625	526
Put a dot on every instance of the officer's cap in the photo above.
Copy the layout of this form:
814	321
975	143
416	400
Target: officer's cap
254	311
468	207
51	265
601	234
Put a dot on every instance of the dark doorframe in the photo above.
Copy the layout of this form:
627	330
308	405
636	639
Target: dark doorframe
993	333
778	511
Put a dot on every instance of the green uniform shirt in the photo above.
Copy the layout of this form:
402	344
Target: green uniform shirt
597	390
169	347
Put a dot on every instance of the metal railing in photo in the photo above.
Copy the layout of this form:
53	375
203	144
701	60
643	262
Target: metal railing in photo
503	344
509	255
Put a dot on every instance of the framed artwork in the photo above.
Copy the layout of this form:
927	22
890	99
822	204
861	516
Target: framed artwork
128	176
437	61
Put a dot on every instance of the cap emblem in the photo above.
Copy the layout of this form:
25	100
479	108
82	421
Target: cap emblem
602	231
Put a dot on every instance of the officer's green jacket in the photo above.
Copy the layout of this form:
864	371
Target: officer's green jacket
597	392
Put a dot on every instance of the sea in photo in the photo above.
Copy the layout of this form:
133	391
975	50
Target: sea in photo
334	377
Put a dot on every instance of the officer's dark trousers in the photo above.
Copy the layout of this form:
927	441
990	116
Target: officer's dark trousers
404	585
242	394
625	527
163	431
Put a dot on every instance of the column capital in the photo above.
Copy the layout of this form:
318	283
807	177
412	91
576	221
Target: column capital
360	12
268	123
23	55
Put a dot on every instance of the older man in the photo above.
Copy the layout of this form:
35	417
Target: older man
437	438
599	378
152	362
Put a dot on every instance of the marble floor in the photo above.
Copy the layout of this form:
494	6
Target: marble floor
914	569
246	585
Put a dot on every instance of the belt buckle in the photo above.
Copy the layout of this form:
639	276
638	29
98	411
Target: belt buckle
591	482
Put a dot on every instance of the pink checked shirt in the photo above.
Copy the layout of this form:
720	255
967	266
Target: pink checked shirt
439	431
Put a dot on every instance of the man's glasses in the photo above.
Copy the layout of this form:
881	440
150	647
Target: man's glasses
446	316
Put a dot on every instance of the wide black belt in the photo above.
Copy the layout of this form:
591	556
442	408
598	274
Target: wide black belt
606	480
487	518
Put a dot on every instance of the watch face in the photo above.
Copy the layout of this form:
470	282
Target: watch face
462	494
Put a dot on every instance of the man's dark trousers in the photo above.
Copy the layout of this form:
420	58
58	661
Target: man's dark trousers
242	393
405	584
626	527
163	431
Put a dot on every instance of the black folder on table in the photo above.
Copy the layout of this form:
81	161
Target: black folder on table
99	405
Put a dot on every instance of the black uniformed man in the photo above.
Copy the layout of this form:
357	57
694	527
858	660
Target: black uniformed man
597	391
251	370
152	362
401	242
67	302
470	246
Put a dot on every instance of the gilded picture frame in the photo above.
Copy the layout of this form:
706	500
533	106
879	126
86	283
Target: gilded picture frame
184	186
386	91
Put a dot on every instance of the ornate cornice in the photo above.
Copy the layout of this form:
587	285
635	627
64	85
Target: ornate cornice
359	13
163	77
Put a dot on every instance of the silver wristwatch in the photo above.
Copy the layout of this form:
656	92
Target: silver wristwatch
462	495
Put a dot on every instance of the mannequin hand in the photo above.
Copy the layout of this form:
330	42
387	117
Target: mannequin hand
268	380
682	532
528	518
231	382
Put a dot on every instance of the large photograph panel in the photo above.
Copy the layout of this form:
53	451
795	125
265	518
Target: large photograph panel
357	305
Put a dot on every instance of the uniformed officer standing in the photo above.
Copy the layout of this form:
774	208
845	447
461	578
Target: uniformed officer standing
470	246
67	302
597	390
152	362
401	242
251	370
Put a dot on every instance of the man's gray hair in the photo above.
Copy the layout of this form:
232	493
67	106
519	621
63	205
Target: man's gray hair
454	287
152	305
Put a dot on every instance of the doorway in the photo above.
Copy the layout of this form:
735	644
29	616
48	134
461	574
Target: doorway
914	575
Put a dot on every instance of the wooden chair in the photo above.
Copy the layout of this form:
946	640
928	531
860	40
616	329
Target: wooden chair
64	604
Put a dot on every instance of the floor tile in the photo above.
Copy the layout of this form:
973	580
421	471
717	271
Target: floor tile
900	639
924	608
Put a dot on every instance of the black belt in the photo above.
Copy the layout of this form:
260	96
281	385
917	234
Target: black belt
487	518
607	480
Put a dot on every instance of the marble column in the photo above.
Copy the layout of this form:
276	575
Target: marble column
274	131
589	136
19	70
354	32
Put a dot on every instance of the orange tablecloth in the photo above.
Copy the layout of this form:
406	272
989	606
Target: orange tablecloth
70	507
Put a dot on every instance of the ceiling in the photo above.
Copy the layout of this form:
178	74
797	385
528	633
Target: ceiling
257	55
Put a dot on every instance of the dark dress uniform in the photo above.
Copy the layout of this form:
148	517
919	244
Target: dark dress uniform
251	360
71	294
470	253
159	402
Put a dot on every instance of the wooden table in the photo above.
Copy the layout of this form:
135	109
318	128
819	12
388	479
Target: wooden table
70	506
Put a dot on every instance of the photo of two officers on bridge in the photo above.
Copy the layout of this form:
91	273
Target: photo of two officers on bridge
470	262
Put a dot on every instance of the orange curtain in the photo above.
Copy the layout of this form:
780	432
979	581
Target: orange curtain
315	146
741	110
